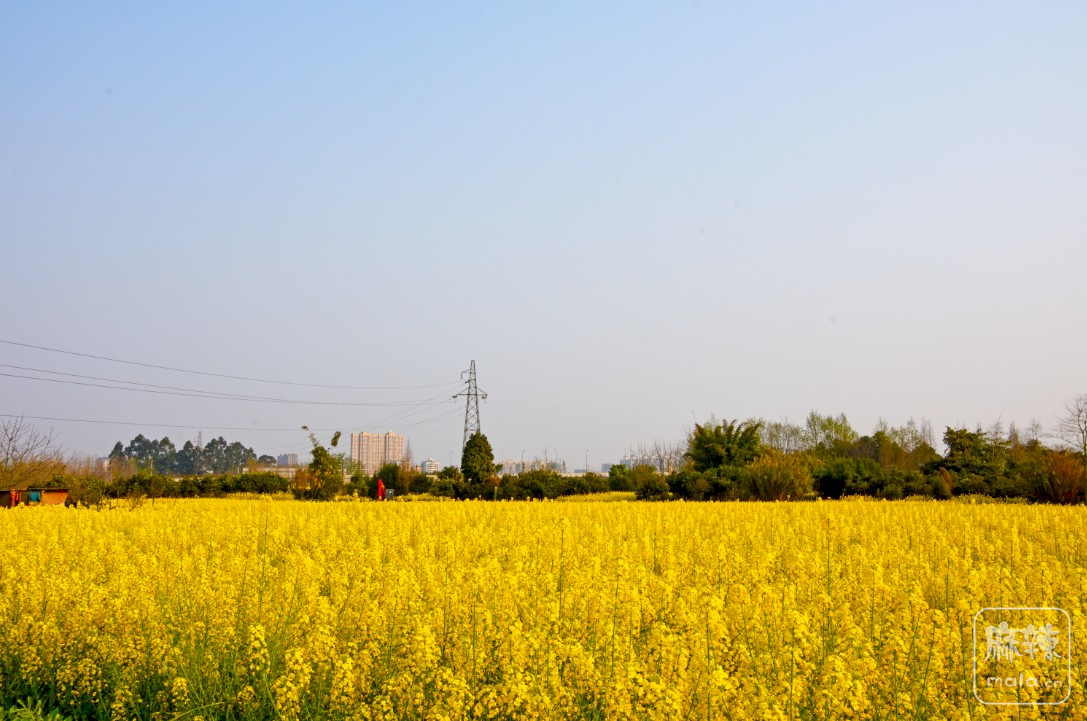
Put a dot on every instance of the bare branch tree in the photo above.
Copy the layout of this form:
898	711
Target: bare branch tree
660	454
782	436
27	455
1035	430
407	462
1072	428
926	434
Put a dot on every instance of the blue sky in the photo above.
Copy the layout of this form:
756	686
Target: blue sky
631	215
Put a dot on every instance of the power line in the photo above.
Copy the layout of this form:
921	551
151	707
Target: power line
401	415
440	416
218	375
444	419
432	431
221	397
159	425
201	391
427	421
398	415
133	383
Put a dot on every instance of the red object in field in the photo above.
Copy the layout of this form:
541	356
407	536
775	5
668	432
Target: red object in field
380	490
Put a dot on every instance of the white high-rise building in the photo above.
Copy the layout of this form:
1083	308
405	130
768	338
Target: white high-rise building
370	451
430	466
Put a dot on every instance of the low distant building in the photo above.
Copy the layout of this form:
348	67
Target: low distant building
12	497
430	466
515	467
288	472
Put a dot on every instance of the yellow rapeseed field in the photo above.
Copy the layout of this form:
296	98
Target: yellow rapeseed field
252	609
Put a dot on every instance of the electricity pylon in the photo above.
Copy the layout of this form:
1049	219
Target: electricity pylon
471	405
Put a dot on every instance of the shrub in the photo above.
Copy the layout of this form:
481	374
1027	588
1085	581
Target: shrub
970	484
618	478
584	485
444	488
849	476
777	477
536	484
310	486
940	488
689	483
1056	478
648	484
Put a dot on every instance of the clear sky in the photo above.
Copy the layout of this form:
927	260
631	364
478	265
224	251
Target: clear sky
631	215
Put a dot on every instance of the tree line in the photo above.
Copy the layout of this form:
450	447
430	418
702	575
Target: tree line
163	457
825	457
99	492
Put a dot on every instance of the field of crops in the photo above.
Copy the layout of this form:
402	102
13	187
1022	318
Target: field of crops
280	609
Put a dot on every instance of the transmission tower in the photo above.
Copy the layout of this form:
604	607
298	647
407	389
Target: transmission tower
471	405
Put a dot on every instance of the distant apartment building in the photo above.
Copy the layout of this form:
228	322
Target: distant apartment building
370	451
430	466
287	460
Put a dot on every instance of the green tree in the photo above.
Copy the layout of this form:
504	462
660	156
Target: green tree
360	482
849	476
477	461
148	454
185	463
827	436
689	483
165	456
586	484
451	473
727	443
392	475
907	448
617	478
236	456
534	484
322	480
974	452
214	455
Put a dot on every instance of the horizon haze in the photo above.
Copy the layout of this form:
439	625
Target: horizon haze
632	217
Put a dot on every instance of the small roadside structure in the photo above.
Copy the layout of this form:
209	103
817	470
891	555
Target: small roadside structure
11	497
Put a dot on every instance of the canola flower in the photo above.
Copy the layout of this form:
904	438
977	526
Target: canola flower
246	609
